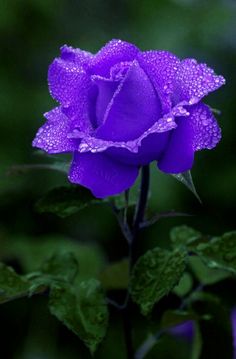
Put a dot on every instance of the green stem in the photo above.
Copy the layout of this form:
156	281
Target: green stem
138	219
139	213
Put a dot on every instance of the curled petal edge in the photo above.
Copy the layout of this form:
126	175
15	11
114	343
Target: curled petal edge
94	145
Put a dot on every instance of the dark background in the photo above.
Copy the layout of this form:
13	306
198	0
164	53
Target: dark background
31	33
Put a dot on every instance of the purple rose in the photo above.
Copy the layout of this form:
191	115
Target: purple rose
123	108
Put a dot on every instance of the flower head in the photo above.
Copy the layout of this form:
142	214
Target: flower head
123	108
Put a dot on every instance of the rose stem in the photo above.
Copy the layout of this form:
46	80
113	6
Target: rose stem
138	219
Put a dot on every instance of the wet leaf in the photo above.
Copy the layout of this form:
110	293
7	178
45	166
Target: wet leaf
82	309
219	252
12	285
183	235
186	179
65	201
154	275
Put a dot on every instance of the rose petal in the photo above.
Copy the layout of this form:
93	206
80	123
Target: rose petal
80	57
93	144
55	115
65	79
113	52
101	174
151	149
179	155
133	109
207	132
196	132
161	67
106	90
70	85
52	136
193	81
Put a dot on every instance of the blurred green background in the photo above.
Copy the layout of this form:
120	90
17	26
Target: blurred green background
31	33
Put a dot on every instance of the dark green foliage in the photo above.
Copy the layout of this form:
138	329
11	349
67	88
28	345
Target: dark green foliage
65	201
220	252
80	305
12	285
217	253
154	275
182	235
82	309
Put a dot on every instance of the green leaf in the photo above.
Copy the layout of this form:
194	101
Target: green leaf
12	285
186	179
116	275
32	252
154	275
65	201
82	309
184	286
204	274
61	266
183	235
219	252
21	169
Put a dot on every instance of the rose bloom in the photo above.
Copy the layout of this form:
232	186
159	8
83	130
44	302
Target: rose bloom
123	108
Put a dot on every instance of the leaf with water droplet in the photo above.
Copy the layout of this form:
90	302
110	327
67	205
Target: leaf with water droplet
61	266
183	235
186	179
219	252
31	253
65	201
82	309
12	285
154	275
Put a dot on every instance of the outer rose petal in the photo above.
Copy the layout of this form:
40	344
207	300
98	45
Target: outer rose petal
196	132
161	67
113	52
70	85
52	136
179	154
64	79
193	81
133	109
80	57
102	175
207	132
